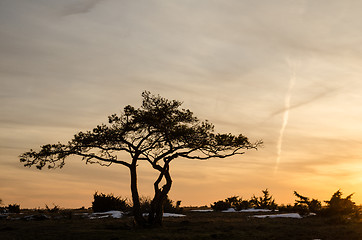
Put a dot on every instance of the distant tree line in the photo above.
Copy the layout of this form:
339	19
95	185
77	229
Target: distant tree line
337	208
238	203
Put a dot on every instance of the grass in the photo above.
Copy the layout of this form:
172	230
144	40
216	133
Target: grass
212	225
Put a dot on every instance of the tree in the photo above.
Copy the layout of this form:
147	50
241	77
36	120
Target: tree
266	201
103	203
235	202
341	208
157	132
305	206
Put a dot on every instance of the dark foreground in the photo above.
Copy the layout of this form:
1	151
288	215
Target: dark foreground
194	226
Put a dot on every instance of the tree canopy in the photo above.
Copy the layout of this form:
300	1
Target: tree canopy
157	132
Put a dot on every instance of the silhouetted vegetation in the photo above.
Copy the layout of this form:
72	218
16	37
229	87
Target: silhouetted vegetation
145	204
54	209
104	203
304	206
264	202
13	208
286	208
157	132
2	209
221	205
236	202
338	209
339	219
195	225
170	206
341	209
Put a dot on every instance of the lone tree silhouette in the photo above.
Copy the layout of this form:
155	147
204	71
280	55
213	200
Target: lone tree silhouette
157	132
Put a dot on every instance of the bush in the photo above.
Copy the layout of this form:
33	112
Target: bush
221	205
2	209
13	208
304	206
302	209
145	204
238	203
341	209
264	202
286	208
104	203
235	202
243	204
170	207
55	209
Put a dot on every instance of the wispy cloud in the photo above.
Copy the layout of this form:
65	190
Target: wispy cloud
80	7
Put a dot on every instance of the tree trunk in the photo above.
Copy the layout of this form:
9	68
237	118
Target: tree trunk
156	212
139	219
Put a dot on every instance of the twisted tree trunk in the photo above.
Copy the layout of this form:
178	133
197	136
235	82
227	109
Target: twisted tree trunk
156	211
139	219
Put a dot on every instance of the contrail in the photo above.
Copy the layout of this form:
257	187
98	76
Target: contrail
302	103
286	113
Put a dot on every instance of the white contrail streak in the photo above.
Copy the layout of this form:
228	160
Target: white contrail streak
285	115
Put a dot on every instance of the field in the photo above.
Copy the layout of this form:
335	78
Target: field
208	225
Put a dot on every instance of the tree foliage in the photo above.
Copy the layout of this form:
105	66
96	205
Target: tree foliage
341	209
235	202
108	202
305	206
221	205
157	132
264	202
13	208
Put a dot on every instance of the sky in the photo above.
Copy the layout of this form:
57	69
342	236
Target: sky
287	72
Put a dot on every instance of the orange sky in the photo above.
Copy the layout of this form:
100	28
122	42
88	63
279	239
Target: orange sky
287	72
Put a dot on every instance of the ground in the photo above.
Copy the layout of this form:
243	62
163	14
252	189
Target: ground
196	225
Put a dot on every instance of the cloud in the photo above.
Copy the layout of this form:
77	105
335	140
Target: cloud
80	7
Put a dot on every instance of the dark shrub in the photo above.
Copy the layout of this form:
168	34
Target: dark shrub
55	209
244	204
221	205
145	204
170	207
304	206
238	203
341	209
104	203
13	208
3	210
315	206
235	202
286	208
264	202
302	209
